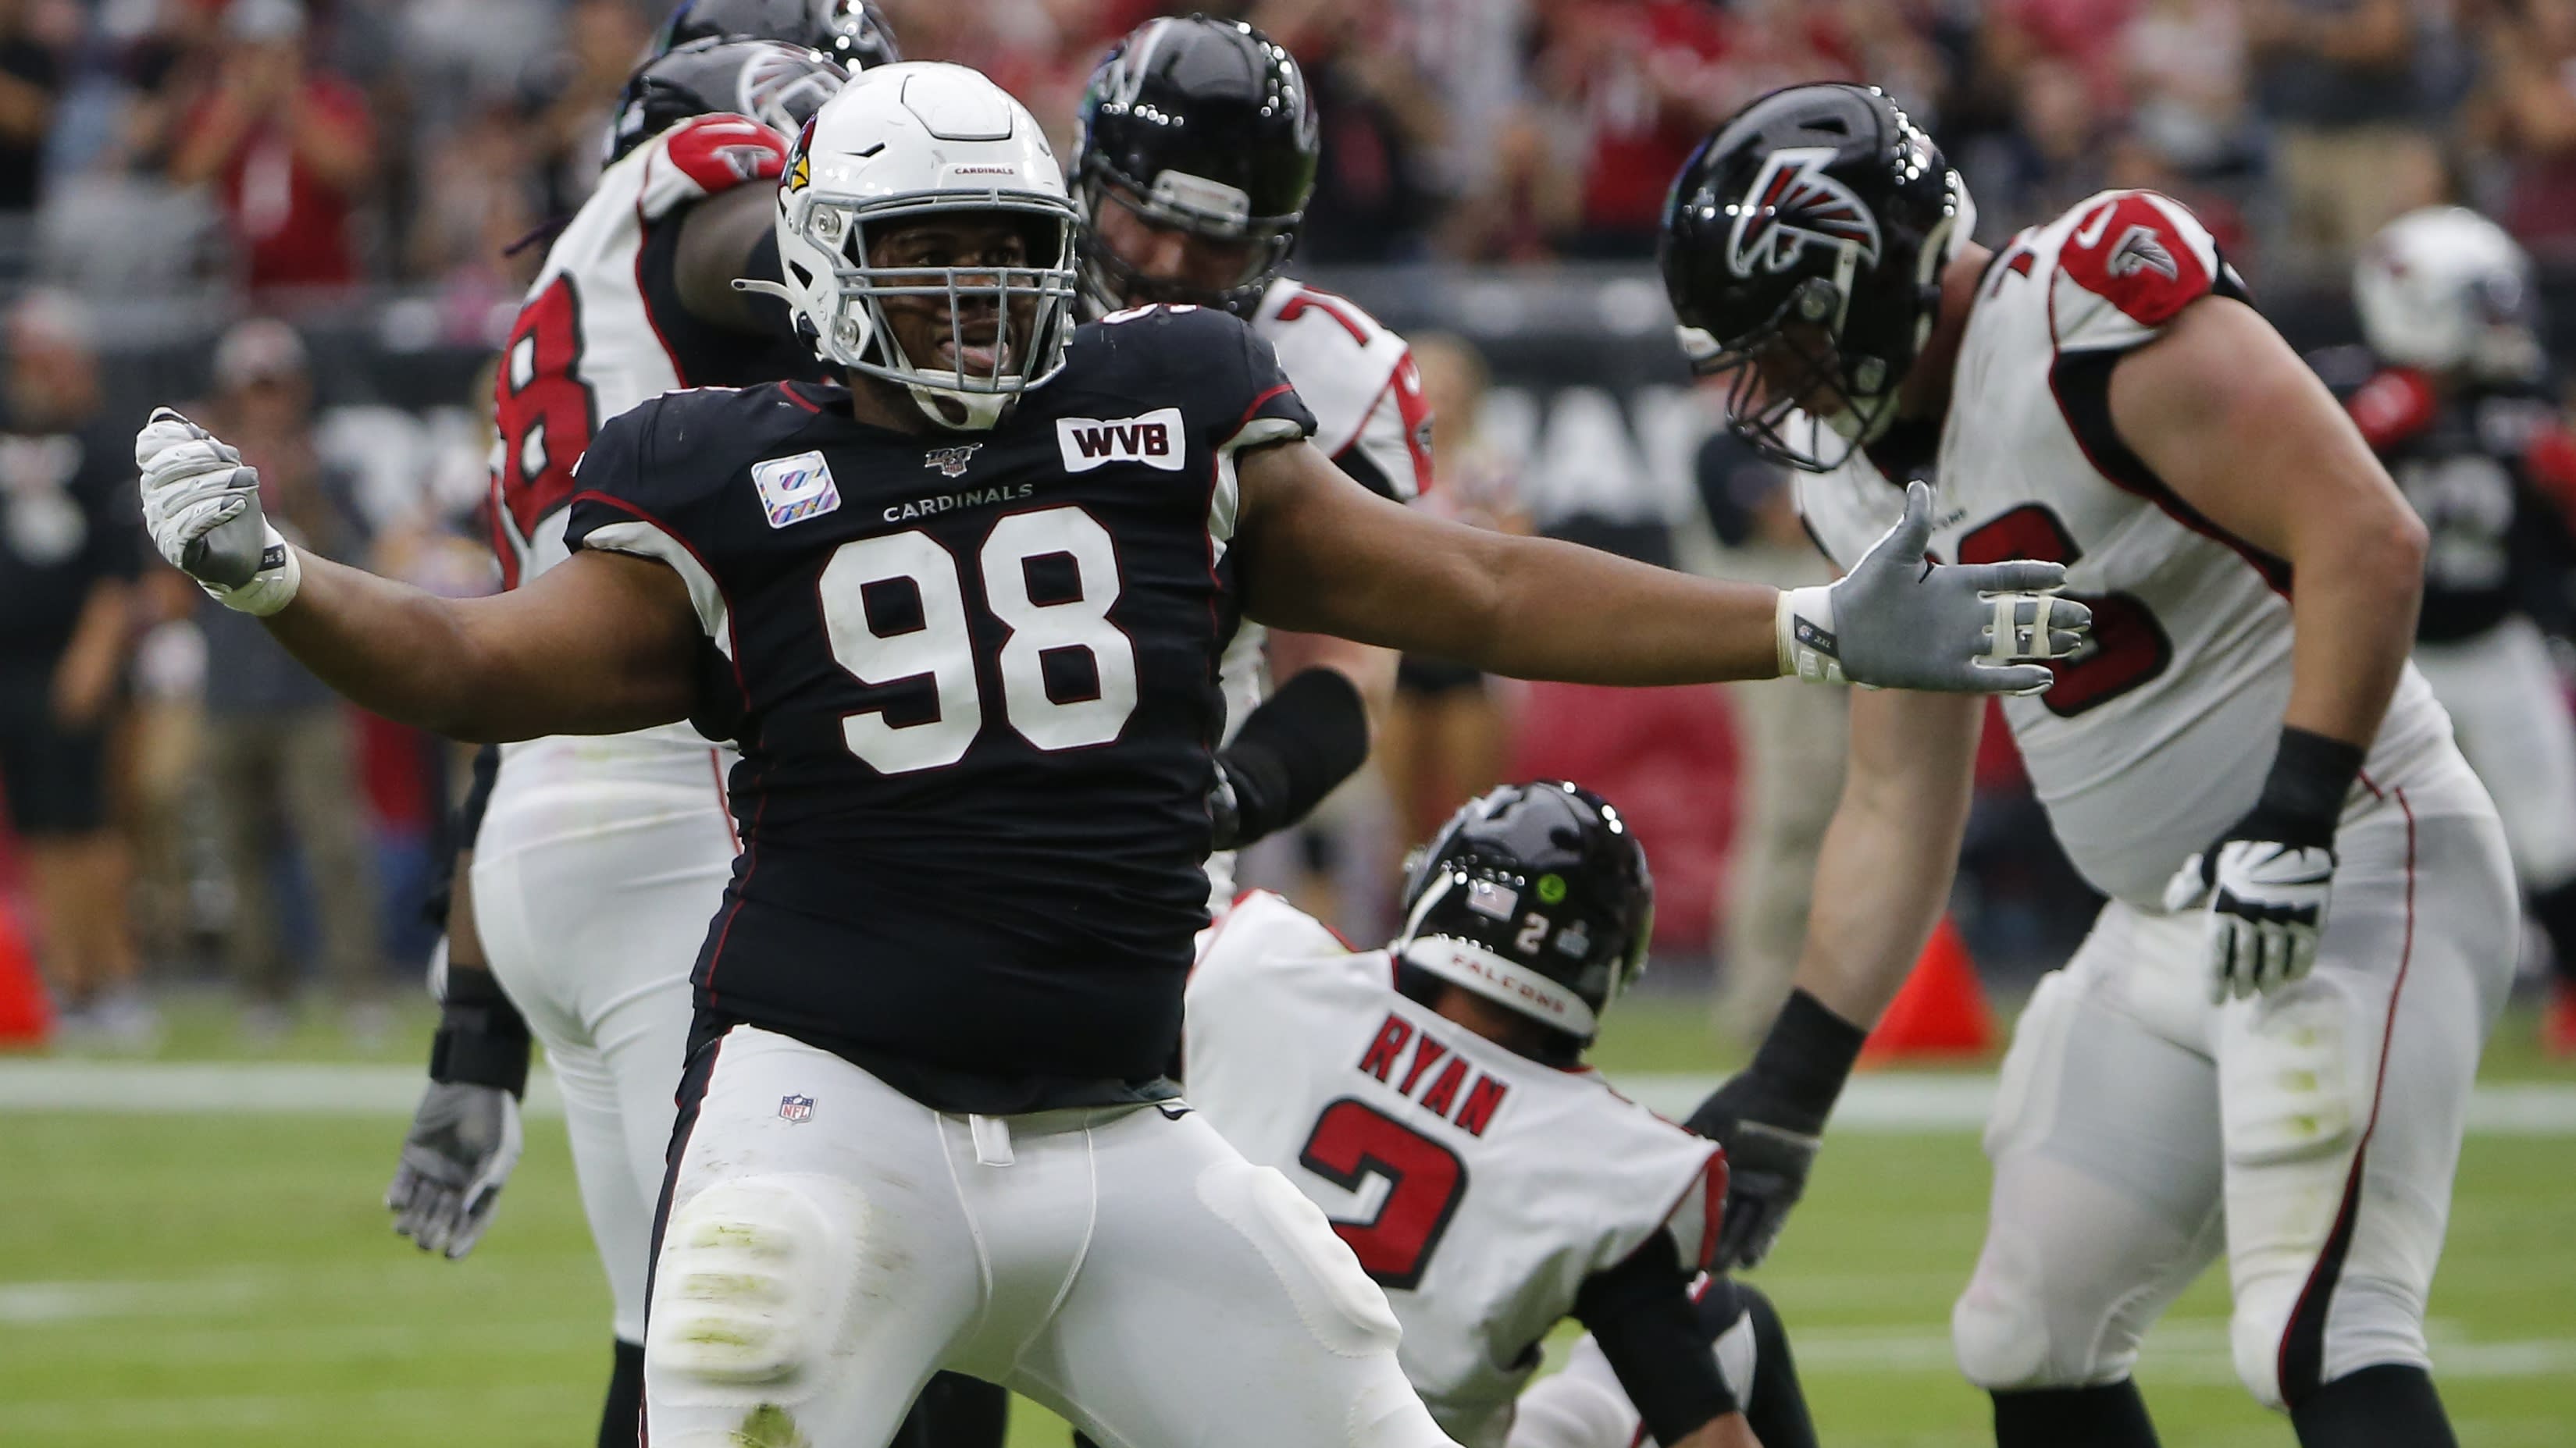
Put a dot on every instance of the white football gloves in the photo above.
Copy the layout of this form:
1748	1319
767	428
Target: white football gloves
2267	906
201	506
2266	881
1901	621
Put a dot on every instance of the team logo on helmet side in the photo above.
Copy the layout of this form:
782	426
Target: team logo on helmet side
1791	203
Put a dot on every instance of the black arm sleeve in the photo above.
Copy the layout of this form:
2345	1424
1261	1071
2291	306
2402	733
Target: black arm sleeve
462	828
1640	1312
1294	749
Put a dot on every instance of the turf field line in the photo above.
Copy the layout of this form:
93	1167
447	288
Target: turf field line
1896	1102
300	1409
2192	1353
256	1344
76	1305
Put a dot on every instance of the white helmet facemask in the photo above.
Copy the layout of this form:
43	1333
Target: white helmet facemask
914	144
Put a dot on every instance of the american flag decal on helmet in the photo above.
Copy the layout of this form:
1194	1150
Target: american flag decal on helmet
1791	203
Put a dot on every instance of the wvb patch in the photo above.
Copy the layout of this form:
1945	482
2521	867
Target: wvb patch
1152	438
795	489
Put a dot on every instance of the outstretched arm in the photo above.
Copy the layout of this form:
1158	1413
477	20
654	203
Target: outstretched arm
1321	554
599	644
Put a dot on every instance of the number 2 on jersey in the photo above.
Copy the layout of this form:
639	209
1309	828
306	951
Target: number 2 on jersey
1353	1141
942	648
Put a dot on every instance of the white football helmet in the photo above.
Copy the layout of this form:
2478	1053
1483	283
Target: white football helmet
2446	290
901	143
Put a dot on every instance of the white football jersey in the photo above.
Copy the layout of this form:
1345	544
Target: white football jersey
1359	380
590	342
2158	735
1478	1187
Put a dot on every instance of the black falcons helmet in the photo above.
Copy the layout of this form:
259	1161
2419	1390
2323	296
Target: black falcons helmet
1810	231
852	32
1203	125
1537	896
775	84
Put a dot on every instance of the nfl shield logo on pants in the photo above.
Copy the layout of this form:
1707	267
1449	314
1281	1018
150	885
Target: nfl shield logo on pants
796	1108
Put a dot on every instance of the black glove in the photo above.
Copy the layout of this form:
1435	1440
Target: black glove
1225	810
1770	1118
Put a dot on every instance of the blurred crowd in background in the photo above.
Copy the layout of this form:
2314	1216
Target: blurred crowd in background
264	162
321	144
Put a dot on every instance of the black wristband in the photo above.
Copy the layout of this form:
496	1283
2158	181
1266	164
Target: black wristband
2303	795
482	1039
1640	1312
1805	1060
1294	749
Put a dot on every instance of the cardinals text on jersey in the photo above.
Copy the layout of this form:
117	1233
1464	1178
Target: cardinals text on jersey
974	698
2153	739
1479	1187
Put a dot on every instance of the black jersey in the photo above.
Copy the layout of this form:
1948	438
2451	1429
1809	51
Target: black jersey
2487	469
974	679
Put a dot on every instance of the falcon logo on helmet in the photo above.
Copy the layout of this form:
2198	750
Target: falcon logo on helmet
1792	202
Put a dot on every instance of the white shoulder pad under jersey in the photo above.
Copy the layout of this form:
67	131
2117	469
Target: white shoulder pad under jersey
1478	1187
1359	380
2158	735
586	346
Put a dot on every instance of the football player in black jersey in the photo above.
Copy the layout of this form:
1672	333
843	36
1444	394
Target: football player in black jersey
963	614
2459	407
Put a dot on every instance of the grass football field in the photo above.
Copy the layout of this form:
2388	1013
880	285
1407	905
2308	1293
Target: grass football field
226	1277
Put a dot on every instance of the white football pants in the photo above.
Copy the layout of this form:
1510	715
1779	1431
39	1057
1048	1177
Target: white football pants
2510	713
2310	1134
831	1242
592	896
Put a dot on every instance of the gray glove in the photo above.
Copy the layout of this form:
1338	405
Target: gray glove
464	1140
1900	621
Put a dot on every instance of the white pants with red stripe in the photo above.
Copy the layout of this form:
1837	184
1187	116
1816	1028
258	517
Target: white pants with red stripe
593	886
2310	1135
831	1242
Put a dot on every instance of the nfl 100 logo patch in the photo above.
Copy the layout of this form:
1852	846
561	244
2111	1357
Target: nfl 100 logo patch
795	489
796	1108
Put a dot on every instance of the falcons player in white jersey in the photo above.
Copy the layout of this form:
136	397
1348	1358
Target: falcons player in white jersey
1430	1097
597	862
1196	157
2264	1048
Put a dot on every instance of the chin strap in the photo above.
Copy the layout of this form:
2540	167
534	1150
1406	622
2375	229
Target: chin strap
765	288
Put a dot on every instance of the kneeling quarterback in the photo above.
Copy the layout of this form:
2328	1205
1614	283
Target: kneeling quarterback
1431	1097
